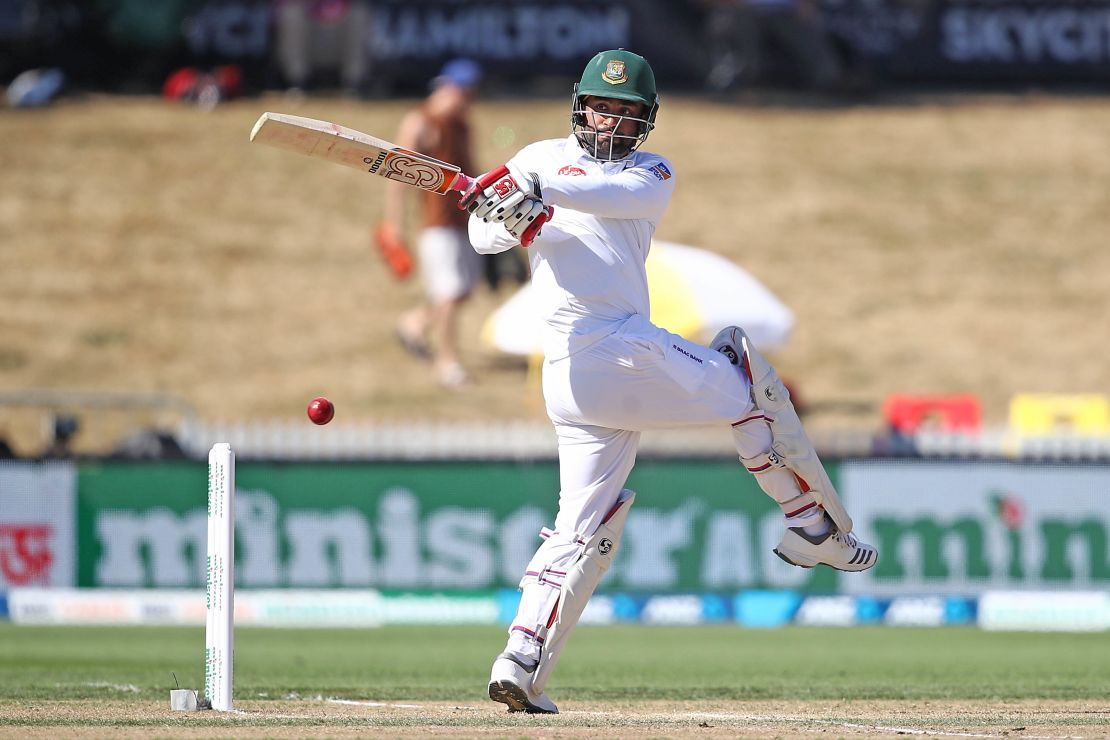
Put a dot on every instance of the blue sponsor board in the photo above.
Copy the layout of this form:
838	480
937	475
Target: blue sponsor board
755	609
961	610
766	608
763	609
870	610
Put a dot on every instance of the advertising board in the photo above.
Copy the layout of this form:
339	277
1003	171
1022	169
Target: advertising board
964	528
431	526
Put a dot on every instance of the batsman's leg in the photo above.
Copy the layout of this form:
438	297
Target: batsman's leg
594	462
775	449
594	558
557	591
511	677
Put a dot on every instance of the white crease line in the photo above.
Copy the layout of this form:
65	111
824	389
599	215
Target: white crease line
911	731
352	702
907	730
728	716
876	728
271	715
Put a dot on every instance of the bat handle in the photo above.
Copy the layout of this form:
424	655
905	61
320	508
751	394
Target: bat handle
462	182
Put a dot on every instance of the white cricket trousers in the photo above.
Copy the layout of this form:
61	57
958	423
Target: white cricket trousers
600	399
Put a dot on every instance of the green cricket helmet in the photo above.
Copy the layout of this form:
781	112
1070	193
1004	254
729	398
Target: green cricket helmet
622	75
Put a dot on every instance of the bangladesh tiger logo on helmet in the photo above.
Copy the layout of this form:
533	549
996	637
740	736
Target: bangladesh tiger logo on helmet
614	72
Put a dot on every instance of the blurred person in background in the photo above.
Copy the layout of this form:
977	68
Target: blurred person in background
313	36
587	207
742	34
448	266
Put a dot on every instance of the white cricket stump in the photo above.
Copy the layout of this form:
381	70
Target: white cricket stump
219	638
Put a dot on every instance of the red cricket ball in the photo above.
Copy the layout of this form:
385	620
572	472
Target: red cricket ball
321	410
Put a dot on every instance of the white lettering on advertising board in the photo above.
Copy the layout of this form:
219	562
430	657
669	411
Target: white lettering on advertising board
966	528
405	547
1015	34
516	32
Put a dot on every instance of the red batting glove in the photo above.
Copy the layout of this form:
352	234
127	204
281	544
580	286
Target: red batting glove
533	229
469	199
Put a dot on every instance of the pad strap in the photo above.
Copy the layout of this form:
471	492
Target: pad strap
578	586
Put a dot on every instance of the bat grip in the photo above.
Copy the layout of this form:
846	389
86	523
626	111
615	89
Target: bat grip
462	182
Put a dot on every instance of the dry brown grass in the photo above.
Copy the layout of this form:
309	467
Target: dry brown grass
932	246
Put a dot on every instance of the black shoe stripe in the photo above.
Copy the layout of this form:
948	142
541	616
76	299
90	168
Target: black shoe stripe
855	557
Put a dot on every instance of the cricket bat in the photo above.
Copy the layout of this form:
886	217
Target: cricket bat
350	148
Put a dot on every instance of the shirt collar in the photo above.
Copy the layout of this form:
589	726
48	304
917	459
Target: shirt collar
574	148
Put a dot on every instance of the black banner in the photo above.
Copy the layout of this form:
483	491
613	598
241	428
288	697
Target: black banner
530	47
893	41
1013	41
520	40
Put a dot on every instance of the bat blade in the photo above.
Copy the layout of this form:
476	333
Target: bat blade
350	148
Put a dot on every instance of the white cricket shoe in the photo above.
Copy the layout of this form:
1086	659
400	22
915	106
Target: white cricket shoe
511	683
836	549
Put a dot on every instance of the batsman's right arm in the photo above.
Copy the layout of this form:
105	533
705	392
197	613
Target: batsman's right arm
489	237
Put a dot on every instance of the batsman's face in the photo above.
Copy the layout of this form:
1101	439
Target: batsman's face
609	129
611	116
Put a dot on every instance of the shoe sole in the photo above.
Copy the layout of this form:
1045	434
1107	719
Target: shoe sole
869	566
788	560
515	697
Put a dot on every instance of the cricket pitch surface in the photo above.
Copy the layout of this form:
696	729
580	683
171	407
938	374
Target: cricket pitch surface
319	716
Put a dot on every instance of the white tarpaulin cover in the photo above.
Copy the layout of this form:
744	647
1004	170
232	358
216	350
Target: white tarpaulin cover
694	293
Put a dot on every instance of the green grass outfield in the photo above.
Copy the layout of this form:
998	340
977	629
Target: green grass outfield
614	663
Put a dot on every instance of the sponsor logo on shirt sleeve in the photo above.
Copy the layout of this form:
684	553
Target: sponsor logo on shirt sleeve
572	170
661	172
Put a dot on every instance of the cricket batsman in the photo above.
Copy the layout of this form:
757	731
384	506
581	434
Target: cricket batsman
588	206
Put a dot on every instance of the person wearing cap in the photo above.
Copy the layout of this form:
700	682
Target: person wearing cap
586	207
447	264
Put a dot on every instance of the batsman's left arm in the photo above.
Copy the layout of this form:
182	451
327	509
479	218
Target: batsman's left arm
639	192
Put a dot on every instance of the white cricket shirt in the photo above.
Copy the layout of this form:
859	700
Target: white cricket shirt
588	262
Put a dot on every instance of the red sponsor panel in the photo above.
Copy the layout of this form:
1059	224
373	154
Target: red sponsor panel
26	553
